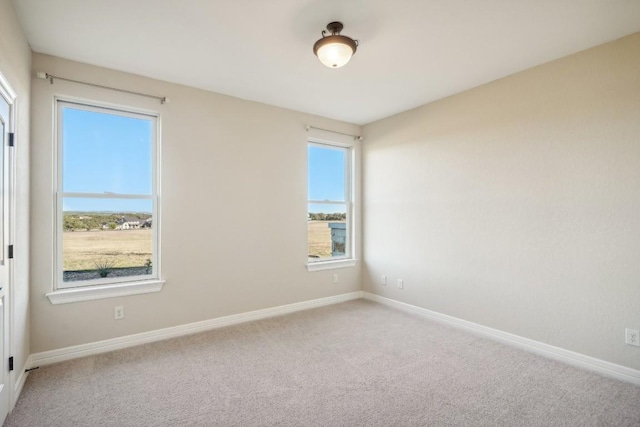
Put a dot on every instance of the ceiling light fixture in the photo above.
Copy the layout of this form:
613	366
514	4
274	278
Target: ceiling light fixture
335	50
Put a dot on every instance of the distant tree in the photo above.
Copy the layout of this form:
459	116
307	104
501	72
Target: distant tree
73	221
319	216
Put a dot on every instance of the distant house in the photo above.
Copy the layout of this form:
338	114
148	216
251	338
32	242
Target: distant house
132	223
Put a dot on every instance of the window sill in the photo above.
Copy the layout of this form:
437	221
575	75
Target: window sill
330	265
88	293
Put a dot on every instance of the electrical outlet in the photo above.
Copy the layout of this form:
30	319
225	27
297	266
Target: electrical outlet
118	312
632	337
400	284
334	279
383	280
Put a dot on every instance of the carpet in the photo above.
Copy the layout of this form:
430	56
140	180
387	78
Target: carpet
357	363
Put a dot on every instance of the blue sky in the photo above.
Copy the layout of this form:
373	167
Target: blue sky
111	153
106	153
326	177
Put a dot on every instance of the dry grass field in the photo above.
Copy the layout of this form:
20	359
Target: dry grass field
131	248
320	238
125	248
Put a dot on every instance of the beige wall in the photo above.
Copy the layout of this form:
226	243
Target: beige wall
15	65
516	205
234	211
513	205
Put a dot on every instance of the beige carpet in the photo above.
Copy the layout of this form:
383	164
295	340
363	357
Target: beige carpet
351	364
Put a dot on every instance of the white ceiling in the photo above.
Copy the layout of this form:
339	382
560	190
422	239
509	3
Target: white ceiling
411	51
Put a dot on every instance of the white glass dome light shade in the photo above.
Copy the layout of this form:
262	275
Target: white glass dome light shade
335	51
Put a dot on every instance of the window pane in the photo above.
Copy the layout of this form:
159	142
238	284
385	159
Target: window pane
327	231
106	238
327	173
104	152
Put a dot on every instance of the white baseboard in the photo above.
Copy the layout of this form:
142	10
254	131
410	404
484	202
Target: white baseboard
74	352
576	359
19	384
572	358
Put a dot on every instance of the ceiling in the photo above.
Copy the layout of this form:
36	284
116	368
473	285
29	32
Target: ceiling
411	51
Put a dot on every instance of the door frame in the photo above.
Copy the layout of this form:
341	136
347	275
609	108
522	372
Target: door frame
7	92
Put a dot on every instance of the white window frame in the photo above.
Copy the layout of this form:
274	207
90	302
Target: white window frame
348	260
64	292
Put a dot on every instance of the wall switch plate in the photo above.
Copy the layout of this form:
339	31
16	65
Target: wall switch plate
334	279
118	312
383	280
400	284
632	337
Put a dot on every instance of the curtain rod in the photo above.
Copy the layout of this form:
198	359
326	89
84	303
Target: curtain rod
358	137
51	77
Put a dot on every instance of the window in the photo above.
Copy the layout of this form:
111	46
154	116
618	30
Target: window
329	203
107	196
